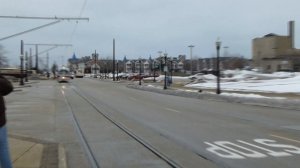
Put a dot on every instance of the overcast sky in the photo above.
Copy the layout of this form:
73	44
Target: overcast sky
144	27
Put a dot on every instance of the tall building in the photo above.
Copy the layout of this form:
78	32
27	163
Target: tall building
274	52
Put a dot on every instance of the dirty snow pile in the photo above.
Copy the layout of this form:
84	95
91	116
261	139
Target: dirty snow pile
243	80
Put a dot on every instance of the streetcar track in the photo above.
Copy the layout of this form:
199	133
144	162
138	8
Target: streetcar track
122	127
83	139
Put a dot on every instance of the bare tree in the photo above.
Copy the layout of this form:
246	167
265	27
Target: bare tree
3	59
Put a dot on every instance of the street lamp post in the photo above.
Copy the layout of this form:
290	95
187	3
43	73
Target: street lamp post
191	52
171	71
218	45
154	71
114	60
165	70
95	55
140	75
105	72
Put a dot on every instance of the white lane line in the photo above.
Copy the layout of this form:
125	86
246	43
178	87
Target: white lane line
293	140
173	110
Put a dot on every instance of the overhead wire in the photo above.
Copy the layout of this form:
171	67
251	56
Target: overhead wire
80	14
30	30
76	25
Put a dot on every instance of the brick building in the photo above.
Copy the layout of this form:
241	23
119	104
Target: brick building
274	52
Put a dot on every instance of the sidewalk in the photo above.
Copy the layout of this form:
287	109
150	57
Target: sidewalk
31	153
28	152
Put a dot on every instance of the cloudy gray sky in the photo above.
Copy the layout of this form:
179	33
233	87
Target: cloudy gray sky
144	27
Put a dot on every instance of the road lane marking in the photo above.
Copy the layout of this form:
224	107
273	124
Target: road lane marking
281	137
258	148
173	110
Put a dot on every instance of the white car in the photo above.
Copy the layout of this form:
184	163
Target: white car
64	76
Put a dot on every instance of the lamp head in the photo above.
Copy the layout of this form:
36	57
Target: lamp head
218	43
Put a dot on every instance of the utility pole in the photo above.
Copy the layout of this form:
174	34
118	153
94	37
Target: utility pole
30	59
114	59
22	63
47	58
36	58
37	52
218	46
140	73
165	70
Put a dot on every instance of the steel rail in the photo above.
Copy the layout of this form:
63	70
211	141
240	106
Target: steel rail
140	140
83	139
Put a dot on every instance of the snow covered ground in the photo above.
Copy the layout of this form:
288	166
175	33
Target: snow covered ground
251	81
242	81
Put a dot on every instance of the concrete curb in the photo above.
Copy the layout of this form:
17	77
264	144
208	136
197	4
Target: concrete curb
62	159
36	152
268	102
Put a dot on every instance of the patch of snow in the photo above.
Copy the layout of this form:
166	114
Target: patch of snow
235	80
250	95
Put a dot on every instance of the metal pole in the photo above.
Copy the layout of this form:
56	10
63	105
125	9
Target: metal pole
47	62
165	69
30	30
21	63
154	71
95	61
218	45
30	59
140	76
26	66
45	18
191	52
48	73
36	58
105	70
113	59
171	71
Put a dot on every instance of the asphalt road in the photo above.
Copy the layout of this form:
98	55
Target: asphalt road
229	135
192	132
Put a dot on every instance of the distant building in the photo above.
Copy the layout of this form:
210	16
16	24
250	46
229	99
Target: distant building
177	64
275	52
128	67
226	63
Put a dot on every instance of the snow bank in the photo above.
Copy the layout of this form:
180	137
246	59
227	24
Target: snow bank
279	82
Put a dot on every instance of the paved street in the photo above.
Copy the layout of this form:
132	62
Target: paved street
189	131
